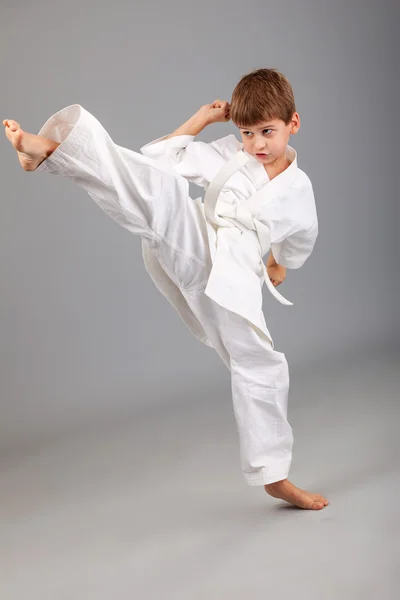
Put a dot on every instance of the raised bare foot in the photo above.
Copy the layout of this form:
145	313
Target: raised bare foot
31	149
294	495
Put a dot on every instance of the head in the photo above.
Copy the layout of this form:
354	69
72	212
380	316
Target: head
263	109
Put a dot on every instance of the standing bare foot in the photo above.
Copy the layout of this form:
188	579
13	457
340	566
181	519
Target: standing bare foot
294	495
31	149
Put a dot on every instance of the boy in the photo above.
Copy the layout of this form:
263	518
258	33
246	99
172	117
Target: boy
207	259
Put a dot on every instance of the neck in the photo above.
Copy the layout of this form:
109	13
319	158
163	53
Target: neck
279	165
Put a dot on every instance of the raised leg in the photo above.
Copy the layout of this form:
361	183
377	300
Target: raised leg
131	188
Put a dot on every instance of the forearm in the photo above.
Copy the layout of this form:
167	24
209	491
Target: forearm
271	262
193	126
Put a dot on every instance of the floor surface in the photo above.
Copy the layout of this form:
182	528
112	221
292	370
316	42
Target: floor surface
153	505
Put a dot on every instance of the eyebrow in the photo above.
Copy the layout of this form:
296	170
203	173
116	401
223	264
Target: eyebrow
263	127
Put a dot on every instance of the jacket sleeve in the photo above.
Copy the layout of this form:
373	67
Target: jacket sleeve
194	160
293	251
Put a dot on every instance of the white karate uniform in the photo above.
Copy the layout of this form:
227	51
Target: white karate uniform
206	259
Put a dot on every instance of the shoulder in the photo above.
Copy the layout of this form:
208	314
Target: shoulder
227	145
303	188
303	200
302	181
223	148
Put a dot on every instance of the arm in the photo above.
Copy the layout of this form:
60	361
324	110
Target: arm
218	111
179	151
193	126
297	231
271	262
293	251
276	272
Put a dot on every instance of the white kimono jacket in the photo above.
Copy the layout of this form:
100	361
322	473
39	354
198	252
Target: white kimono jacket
280	213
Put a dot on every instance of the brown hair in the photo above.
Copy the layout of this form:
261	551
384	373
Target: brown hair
262	95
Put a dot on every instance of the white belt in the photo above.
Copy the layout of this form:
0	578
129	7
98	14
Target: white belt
227	214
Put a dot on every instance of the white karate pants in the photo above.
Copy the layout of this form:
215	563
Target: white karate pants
154	203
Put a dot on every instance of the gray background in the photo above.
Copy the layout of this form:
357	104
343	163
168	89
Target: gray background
71	278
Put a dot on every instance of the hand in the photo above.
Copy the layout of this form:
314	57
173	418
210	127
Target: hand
217	112
276	273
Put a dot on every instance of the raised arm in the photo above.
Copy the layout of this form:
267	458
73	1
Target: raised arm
194	160
218	111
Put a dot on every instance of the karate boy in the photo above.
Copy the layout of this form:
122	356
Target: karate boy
207	258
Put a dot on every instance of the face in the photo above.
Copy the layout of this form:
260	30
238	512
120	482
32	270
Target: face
267	141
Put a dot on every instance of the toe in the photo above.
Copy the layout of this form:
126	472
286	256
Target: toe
321	498
13	125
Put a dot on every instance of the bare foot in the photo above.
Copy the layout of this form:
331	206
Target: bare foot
31	149
294	495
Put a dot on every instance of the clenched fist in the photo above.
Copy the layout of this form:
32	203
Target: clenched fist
277	274
217	112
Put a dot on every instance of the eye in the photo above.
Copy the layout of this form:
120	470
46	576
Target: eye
264	130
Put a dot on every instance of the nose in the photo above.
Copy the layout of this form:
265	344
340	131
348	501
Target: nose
259	145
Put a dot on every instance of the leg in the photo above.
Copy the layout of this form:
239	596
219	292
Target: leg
131	188
260	386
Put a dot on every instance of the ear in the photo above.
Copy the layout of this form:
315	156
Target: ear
295	123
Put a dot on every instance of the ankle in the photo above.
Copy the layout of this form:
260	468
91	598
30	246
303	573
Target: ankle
51	146
279	483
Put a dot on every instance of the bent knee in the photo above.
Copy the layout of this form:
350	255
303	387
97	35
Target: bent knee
268	369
